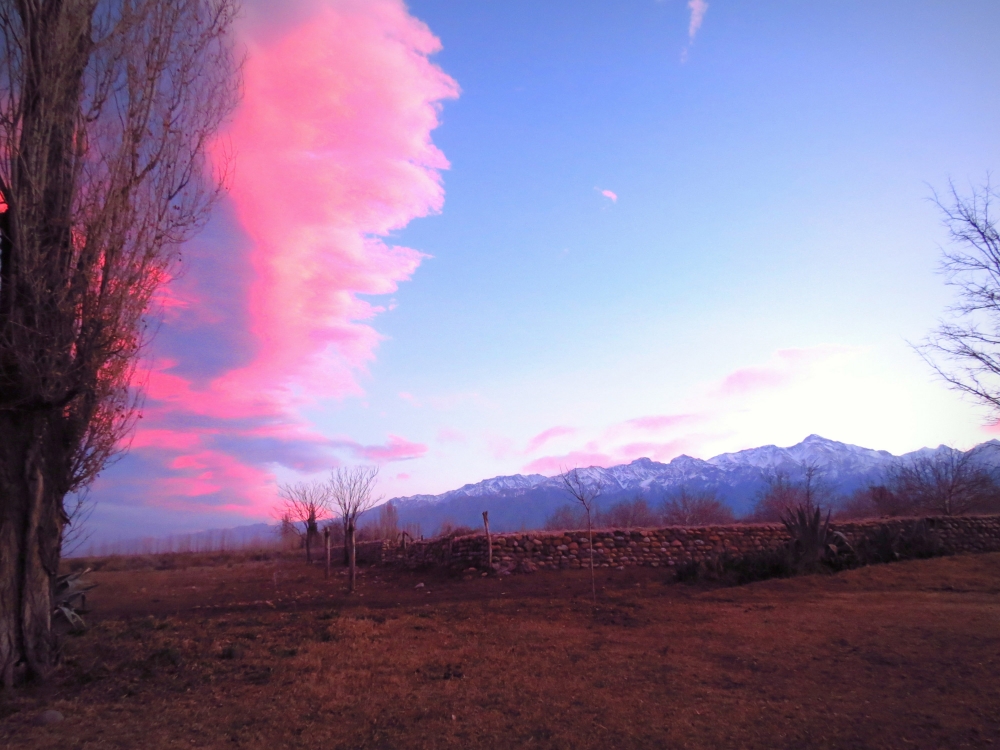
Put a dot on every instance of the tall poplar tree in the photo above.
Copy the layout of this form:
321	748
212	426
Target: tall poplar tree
106	110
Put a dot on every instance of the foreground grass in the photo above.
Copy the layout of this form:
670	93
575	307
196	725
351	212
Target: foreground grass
268	654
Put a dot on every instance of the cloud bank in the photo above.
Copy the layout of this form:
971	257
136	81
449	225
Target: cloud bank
332	151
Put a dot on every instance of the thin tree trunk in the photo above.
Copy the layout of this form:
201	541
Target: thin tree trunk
326	540
354	559
489	542
590	536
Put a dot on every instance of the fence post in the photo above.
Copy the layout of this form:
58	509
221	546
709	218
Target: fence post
489	542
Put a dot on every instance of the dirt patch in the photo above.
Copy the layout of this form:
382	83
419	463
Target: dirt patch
266	653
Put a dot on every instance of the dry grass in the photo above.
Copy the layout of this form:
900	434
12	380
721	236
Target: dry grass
904	655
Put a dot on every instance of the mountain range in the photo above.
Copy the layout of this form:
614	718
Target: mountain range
525	501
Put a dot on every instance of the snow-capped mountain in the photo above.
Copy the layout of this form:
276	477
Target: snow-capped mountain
521	501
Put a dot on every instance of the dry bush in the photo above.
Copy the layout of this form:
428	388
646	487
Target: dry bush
627	514
566	517
451	529
687	508
948	482
875	501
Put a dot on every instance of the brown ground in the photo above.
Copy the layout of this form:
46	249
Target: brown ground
269	654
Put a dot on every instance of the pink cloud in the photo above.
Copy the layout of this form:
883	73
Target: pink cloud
332	153
557	464
543	437
785	366
395	449
448	435
205	473
698	9
662	422
402	476
501	447
409	397
749	379
171	440
613	197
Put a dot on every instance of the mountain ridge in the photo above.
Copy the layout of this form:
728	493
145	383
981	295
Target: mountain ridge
524	501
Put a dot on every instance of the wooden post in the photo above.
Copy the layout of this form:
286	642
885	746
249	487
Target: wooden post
326	541
489	542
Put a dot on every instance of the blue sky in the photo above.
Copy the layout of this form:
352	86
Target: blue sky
770	251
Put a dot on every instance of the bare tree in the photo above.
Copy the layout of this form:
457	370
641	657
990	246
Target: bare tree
949	482
965	351
875	501
585	493
628	514
106	110
566	517
307	503
686	508
351	489
387	526
288	535
781	494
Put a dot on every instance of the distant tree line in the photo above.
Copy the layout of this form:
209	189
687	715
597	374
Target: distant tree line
684	508
942	483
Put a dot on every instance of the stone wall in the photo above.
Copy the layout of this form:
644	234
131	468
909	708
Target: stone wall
666	547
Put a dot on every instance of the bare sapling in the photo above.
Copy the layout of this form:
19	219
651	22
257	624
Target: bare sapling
351	489
585	494
307	503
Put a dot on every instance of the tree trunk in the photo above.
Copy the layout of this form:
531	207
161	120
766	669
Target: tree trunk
354	557
590	537
31	523
347	547
326	541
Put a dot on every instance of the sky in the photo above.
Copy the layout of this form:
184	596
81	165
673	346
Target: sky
465	239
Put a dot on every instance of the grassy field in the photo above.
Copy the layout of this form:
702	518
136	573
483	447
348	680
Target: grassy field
269	654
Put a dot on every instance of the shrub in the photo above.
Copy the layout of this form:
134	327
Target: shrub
885	544
812	542
695	509
738	570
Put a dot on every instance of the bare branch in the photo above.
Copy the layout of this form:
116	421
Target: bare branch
965	350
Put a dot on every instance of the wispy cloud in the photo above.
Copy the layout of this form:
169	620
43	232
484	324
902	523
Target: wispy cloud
663	437
609	194
663	421
785	366
575	459
409	398
449	435
395	449
698	9
543	437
